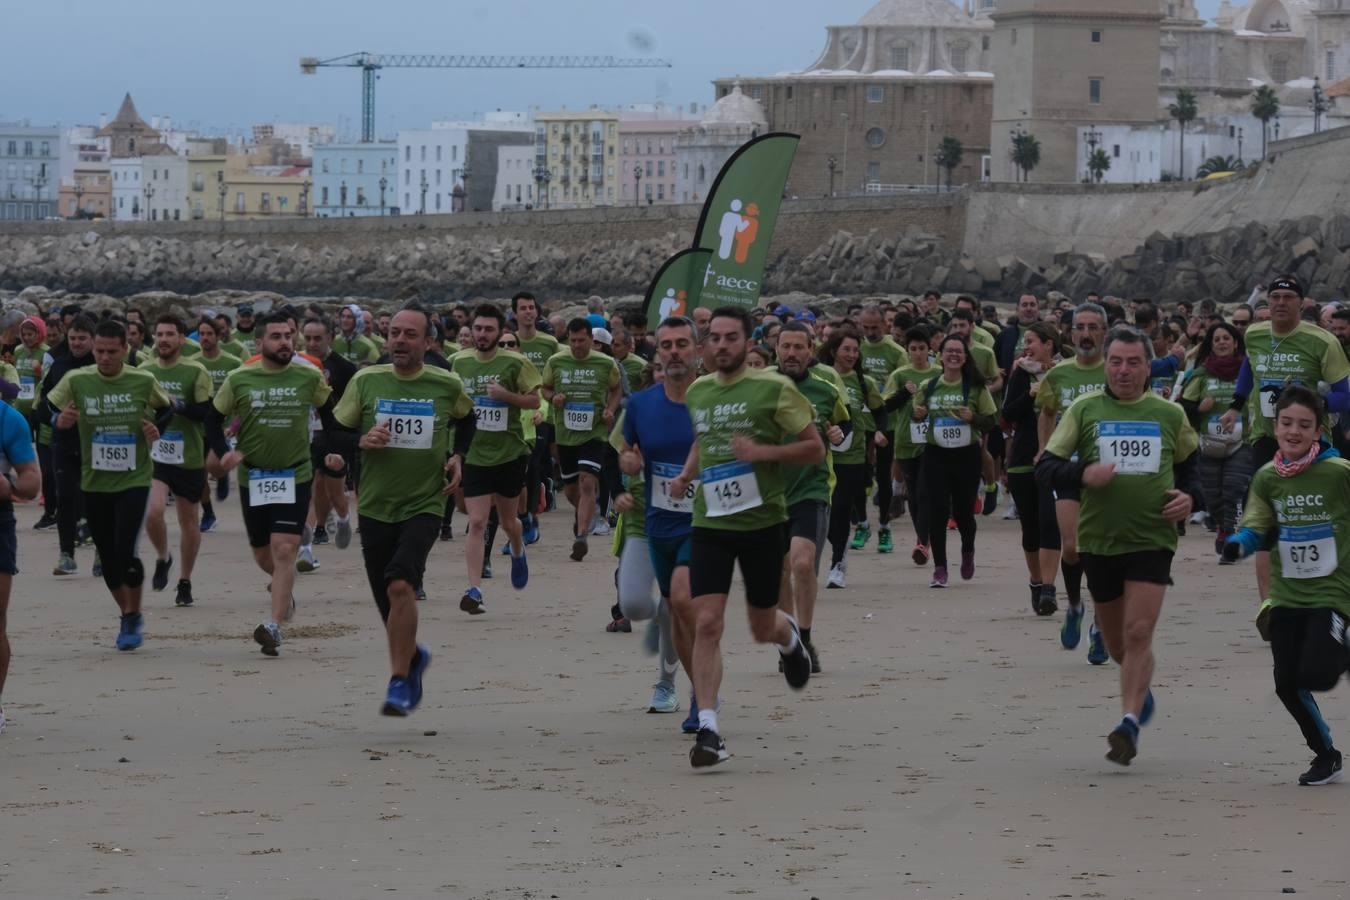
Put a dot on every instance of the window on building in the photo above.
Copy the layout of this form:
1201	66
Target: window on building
702	173
839	92
900	58
407	153
875	137
874	173
438	153
45	148
1279	69
959	58
360	166
12	148
789	92
1014	37
627	147
265	204
908	95
1115	151
1096	36
661	168
1331	65
323	167
27	148
175	215
984	42
239	203
438	202
875	93
649	168
424	153
1094	90
323	196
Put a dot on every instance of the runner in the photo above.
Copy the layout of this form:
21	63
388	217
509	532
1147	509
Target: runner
405	413
1280	352
272	399
912	437
848	459
958	408
502	385
657	437
748	426
178	456
980	345
1065	383
330	482
243	330
30	361
76	352
22	479
807	489
218	364
537	347
583	387
109	405
1225	458
1304	617
1035	505
880	357
351	343
1135	469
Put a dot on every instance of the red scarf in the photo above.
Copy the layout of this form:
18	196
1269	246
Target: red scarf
1224	368
1287	468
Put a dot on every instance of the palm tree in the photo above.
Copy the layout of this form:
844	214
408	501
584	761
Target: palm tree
1265	106
1184	110
1098	164
1217	164
949	156
1026	154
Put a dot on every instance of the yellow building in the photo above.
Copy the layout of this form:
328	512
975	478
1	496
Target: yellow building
226	188
577	154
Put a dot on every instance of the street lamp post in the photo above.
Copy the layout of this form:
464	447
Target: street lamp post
542	176
1277	126
39	181
222	188
637	184
1239	143
149	193
1093	138
843	169
1319	104
424	187
304	198
342	195
384	184
464	179
79	193
831	163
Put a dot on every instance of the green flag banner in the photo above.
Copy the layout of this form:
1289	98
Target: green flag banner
738	220
675	289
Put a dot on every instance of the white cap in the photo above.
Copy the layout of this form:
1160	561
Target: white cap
602	336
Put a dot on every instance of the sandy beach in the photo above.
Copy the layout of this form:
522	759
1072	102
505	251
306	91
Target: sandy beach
950	748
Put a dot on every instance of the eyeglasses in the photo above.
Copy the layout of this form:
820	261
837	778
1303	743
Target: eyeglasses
507	344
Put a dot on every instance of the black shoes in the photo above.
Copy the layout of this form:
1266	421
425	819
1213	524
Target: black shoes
709	749
1326	769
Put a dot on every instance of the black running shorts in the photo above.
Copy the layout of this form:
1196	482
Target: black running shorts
1106	575
714	553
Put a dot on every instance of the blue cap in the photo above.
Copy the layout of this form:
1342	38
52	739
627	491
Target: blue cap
806	316
781	310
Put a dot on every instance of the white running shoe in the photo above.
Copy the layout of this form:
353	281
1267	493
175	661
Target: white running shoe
305	561
1011	512
836	579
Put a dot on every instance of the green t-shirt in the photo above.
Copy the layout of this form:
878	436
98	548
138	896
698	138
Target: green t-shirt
29	369
218	368
910	437
1199	384
246	339
1310	515
585	385
237	348
190	348
1066	382
861	396
881	358
405	477
815	482
1304	356
273	406
980	337
500	436
358	349
985	361
181	442
760	404
942	399
539	349
1143	438
633	367
114	454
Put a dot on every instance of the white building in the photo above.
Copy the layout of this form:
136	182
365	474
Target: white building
356	179
515	178
126	188
701	151
432	162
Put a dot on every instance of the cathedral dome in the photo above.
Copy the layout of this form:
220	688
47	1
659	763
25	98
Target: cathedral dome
736	109
915	13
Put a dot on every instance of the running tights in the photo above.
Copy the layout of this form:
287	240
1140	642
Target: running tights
951	480
850	483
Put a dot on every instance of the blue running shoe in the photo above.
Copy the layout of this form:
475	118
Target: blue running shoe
531	533
1096	647
129	638
472	602
1124	741
690	723
208	523
1071	633
398	699
520	570
506	549
664	698
223	489
1147	712
415	673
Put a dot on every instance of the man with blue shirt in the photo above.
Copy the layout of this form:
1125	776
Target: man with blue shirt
19	477
657	435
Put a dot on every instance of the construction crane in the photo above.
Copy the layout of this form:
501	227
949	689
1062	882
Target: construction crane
370	63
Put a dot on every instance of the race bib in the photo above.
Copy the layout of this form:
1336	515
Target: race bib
951	433
410	422
114	452
918	432
662	475
1307	551
271	486
579	416
27	387
730	488
491	414
1268	398
842	446
1134	448
169	448
1216	430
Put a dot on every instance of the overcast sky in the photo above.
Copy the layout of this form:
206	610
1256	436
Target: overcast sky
225	66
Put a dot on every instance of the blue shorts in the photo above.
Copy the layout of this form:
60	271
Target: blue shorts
667	554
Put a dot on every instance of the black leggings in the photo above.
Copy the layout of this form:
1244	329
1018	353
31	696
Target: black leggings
885	456
47	465
69	499
115	522
951	480
911	470
850	482
1035	512
1310	655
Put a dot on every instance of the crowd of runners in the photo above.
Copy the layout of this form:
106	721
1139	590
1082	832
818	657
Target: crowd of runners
732	439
